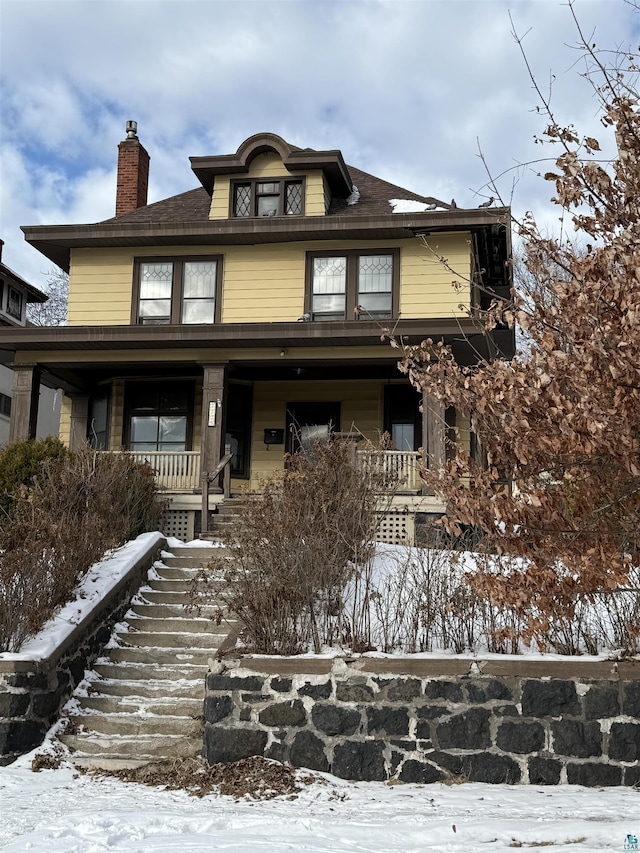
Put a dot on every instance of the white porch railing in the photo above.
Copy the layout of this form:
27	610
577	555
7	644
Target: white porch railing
179	471
402	467
176	471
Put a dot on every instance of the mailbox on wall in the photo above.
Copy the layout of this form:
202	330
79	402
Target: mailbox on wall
274	436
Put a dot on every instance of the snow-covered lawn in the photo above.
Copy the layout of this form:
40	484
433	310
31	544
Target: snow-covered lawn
57	811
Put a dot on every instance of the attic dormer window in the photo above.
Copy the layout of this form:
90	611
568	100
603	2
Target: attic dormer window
275	197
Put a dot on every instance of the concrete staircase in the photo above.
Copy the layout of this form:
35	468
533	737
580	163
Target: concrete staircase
225	518
146	702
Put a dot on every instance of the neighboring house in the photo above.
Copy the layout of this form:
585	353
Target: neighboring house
249	312
15	293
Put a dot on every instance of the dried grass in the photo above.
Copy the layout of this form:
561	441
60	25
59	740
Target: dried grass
254	778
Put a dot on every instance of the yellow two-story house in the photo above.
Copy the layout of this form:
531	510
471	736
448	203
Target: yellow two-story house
238	321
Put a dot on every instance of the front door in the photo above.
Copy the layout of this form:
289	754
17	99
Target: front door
308	423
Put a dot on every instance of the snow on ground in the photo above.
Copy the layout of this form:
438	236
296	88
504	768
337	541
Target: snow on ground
95	584
58	811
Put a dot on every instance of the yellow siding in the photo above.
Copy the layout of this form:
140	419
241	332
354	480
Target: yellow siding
267	165
265	283
64	431
361	411
220	201
427	273
100	283
326	191
314	203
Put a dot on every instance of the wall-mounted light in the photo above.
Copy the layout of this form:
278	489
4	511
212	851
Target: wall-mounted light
283	352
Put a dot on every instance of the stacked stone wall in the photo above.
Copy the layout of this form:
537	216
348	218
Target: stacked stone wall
483	721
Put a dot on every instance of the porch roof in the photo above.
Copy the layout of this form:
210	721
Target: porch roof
250	335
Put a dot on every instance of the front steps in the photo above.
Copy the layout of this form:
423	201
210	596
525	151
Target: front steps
227	512
145	703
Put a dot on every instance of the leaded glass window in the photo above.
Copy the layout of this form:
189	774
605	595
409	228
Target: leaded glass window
242	200
277	197
199	292
353	284
329	288
178	290
375	286
293	202
156	282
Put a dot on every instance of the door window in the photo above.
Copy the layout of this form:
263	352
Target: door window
308	423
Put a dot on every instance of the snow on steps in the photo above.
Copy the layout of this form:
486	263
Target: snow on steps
145	703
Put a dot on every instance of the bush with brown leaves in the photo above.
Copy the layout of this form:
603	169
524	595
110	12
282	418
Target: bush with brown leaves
78	507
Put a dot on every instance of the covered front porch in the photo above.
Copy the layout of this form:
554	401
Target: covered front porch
179	408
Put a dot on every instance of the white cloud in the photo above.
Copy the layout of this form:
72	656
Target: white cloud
405	89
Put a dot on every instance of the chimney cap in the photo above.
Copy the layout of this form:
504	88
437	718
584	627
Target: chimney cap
132	129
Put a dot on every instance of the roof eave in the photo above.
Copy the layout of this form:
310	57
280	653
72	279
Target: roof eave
323	334
56	241
33	294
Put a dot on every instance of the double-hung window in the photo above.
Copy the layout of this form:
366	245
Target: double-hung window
178	290
271	197
158	416
353	285
14	303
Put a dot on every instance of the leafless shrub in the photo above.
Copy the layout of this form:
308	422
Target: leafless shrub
77	508
297	545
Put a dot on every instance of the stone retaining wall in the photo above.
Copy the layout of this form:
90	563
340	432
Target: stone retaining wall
428	720
33	691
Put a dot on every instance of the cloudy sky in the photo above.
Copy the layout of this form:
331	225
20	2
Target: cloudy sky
407	89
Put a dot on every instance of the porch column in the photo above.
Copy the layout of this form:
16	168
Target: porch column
79	420
433	431
24	405
213	428
213	414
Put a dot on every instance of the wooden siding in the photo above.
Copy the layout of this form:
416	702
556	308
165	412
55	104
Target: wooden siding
326	191
426	288
100	282
361	411
64	430
267	165
314	204
220	200
266	283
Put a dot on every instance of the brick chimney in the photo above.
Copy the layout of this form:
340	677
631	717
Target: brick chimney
133	172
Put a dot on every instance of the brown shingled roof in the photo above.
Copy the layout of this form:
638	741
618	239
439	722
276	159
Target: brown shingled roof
194	205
